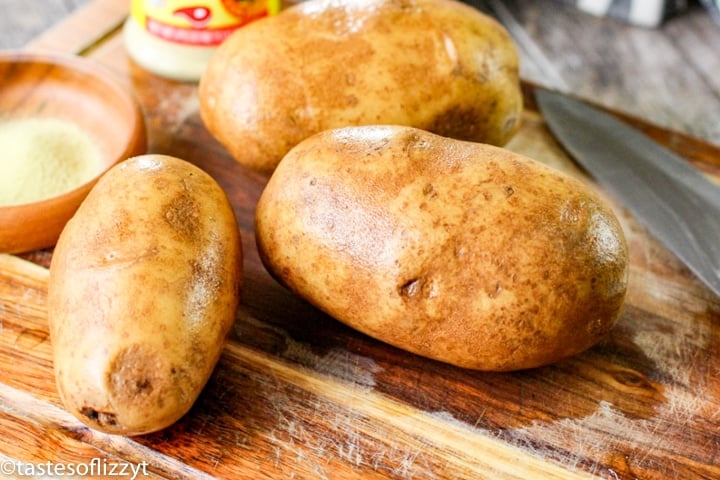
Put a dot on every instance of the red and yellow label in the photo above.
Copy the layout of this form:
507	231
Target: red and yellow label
199	22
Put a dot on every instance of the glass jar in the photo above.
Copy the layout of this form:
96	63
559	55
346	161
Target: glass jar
175	38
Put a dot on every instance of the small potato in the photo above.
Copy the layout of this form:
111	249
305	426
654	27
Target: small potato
462	252
439	65
144	286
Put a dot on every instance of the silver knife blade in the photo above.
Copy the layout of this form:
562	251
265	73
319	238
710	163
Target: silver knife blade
676	202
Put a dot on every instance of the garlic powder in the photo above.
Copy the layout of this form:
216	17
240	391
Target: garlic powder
42	158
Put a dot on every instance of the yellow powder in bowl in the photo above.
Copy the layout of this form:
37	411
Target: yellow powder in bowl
42	158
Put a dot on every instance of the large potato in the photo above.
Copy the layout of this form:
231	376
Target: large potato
144	286
438	65
462	252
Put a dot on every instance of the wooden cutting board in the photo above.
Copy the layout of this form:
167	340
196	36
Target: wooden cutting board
299	395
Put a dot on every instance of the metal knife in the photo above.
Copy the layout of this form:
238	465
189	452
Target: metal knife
677	203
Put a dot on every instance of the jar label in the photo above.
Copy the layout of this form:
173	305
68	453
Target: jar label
198	22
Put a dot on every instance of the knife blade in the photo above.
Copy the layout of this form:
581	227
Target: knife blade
675	202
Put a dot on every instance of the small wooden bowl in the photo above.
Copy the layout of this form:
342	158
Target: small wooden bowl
71	89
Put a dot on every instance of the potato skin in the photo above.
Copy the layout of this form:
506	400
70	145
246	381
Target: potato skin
461	252
438	65
143	290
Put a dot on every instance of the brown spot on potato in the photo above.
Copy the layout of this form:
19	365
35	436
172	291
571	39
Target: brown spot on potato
429	191
104	419
462	122
135	374
494	292
410	288
182	214
160	183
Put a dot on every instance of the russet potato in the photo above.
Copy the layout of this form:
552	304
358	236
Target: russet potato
462	252
439	65
143	290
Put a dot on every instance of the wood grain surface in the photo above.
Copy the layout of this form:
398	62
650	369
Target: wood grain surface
21	21
298	395
668	75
